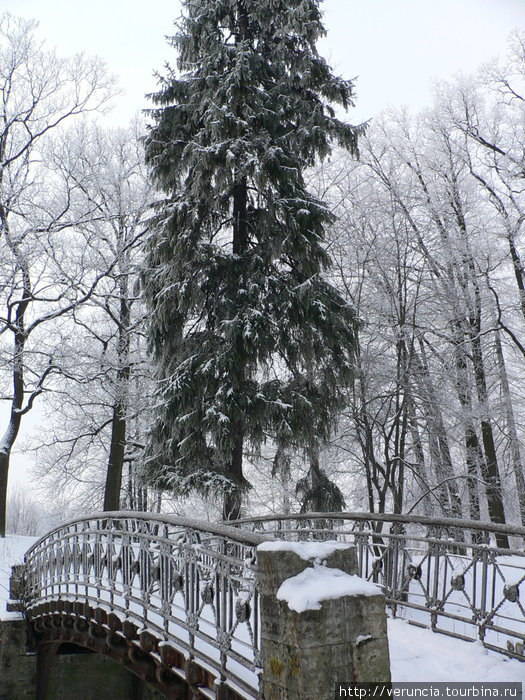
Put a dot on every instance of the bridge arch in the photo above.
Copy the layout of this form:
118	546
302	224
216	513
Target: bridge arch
97	631
174	600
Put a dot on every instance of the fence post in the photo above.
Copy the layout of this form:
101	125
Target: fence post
304	654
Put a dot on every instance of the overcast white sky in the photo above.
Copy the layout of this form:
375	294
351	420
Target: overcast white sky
394	47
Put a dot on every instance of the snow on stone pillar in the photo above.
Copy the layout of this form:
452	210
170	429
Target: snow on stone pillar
320	623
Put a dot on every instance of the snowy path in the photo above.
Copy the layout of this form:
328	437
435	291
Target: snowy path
422	655
415	654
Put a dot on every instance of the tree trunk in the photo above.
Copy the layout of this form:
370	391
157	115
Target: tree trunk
491	475
8	441
281	469
4	471
473	454
115	460
118	422
233	499
131	488
15	419
441	460
314	475
375	473
419	468
518	270
469	282
517	463
402	423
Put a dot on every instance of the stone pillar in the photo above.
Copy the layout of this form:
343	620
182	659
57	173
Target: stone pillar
304	654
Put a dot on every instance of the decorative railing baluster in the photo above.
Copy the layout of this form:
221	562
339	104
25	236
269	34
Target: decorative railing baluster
483	595
444	578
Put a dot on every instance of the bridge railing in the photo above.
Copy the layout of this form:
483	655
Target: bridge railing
179	579
195	586
449	575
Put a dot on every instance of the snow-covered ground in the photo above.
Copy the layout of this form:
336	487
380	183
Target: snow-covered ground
415	654
422	655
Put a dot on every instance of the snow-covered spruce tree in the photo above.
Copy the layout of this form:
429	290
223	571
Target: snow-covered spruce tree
251	342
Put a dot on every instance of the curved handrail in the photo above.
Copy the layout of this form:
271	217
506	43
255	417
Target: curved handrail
188	583
222	529
387	517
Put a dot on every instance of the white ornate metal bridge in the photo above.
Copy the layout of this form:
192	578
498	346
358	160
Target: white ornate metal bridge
177	600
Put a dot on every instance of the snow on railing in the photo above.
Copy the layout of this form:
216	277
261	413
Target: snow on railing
445	574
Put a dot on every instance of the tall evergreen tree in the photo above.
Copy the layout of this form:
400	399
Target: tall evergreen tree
251	341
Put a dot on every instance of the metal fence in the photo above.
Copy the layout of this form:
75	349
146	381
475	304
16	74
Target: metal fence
448	575
195	584
190	583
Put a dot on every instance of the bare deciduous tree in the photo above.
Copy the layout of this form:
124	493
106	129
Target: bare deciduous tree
95	422
39	94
